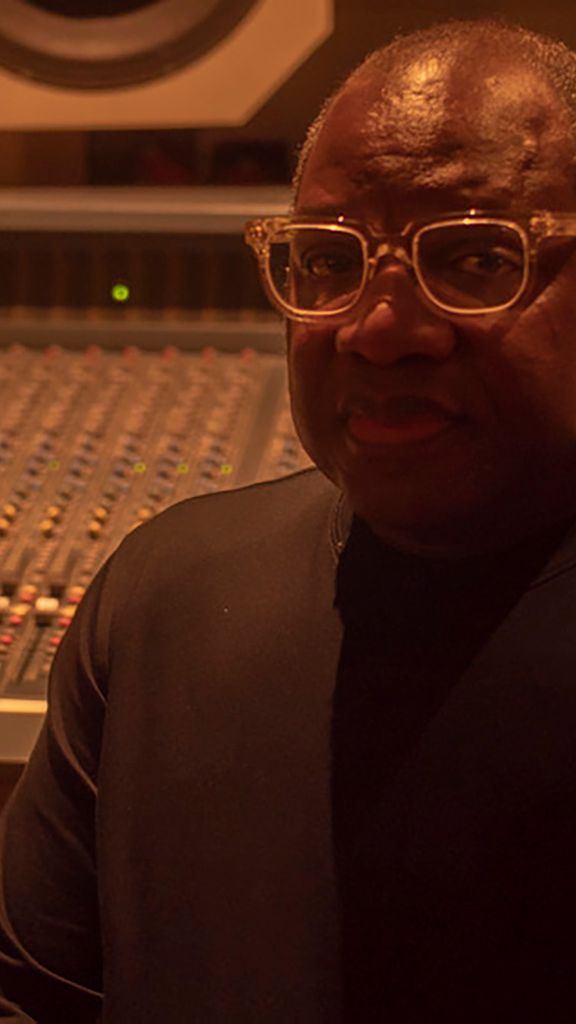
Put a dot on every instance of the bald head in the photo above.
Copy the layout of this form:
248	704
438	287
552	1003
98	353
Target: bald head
457	94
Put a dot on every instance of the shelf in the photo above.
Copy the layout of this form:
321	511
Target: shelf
202	210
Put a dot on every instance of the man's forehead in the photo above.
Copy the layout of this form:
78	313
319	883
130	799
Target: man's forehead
445	128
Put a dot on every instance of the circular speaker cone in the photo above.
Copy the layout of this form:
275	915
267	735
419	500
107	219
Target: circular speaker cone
91	8
66	44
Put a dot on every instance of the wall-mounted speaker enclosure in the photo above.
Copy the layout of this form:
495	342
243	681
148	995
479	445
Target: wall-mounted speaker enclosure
170	63
111	52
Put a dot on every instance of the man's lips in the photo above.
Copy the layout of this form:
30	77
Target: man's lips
403	419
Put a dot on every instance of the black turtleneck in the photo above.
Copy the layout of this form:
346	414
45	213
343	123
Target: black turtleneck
412	627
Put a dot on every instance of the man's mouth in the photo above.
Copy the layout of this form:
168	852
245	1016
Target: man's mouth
405	419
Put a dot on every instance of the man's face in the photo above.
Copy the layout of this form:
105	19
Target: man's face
440	426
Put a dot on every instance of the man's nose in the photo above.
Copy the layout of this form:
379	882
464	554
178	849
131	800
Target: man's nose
391	322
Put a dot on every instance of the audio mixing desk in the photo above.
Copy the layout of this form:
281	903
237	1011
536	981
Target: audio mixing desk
94	443
139	365
109	408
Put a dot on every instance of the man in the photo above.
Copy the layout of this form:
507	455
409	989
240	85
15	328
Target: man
310	755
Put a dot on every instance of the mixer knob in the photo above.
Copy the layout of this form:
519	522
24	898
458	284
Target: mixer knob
47	527
45	609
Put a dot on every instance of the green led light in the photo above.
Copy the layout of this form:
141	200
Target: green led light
183	467
139	467
226	469
120	293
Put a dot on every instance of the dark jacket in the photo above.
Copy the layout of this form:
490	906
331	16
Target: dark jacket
170	843
174	818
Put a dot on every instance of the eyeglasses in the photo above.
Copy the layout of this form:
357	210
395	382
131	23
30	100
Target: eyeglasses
469	264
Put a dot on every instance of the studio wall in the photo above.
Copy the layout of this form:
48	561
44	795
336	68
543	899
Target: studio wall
45	152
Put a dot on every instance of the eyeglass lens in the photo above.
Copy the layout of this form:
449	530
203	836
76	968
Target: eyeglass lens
316	269
462	265
471	266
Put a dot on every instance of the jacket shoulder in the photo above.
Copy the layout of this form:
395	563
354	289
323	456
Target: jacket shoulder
268	523
242	516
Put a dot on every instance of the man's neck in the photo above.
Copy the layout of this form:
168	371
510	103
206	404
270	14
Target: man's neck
475	536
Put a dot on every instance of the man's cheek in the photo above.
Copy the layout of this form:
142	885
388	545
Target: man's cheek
556	290
308	356
534	388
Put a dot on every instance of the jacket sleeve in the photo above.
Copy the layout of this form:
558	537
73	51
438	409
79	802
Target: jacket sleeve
50	950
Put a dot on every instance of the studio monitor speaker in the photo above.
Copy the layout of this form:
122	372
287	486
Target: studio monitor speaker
149	63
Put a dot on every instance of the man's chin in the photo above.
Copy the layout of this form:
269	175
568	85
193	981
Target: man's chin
436	506
434	523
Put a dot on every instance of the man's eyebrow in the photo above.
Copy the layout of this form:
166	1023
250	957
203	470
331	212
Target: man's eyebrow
322	212
451	204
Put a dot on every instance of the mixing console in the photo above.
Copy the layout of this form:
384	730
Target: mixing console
94	443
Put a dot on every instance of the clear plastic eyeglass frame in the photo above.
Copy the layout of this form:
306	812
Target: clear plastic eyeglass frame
531	229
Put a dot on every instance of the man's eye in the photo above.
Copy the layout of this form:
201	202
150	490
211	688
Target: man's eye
489	262
327	263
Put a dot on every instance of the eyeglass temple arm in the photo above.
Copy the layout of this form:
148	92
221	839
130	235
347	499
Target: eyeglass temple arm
258	230
558	224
